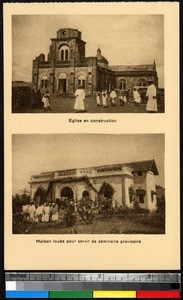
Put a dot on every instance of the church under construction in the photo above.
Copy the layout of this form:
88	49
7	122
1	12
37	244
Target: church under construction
66	67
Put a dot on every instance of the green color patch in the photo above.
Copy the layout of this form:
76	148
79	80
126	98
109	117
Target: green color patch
71	294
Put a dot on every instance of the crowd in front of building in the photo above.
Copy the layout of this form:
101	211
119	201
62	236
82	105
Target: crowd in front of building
40	213
106	99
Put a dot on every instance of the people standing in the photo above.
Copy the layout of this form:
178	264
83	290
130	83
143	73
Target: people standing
47	212
136	96
79	102
46	100
98	98
32	210
54	212
113	97
152	98
122	97
39	212
104	98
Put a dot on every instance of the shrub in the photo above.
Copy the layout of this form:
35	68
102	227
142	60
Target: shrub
161	205
122	210
86	210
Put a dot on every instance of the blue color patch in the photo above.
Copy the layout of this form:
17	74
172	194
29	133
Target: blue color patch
27	294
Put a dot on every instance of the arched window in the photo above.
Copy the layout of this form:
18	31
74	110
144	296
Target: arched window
64	52
89	78
44	82
51	78
81	81
122	84
72	78
142	82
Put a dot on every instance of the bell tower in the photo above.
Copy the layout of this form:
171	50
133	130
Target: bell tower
67	47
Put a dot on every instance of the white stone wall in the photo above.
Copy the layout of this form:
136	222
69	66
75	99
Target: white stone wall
116	182
128	182
151	186
141	183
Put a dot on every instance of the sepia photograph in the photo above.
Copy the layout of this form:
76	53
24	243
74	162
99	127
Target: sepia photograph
88	63
88	184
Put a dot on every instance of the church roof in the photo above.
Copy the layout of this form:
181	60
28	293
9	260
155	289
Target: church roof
124	68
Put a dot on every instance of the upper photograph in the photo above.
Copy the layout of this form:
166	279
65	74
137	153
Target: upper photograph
88	64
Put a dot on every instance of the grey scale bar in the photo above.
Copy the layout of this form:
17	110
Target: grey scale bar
88	286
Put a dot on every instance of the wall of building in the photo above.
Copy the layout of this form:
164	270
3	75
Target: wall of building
132	81
72	76
141	183
150	180
128	182
116	182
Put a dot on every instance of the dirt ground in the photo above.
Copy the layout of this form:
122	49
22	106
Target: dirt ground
66	105
115	226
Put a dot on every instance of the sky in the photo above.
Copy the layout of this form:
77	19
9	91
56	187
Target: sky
123	39
36	153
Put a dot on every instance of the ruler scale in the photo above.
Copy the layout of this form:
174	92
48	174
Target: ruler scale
92	285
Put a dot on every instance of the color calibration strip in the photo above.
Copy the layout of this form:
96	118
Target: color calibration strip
93	294
18	289
92	285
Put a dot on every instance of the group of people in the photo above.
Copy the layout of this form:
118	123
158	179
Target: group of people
103	98
151	94
37	213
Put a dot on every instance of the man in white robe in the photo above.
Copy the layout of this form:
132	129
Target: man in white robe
113	97
152	98
80	97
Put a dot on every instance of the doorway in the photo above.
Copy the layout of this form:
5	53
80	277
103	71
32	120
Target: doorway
67	193
62	85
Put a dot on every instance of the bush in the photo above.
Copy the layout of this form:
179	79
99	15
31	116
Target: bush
161	205
69	218
105	207
123	210
86	210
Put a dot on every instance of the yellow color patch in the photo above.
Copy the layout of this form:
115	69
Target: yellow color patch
114	294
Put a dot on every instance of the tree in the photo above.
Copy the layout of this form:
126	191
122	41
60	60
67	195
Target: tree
161	205
106	193
86	210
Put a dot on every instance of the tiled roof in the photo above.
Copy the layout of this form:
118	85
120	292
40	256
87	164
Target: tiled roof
125	68
146	165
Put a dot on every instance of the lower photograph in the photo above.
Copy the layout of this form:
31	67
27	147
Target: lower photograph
88	184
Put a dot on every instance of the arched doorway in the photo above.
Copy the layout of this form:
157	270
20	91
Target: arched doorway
62	83
85	195
67	193
40	195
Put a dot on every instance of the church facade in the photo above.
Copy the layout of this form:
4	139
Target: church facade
67	67
75	184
